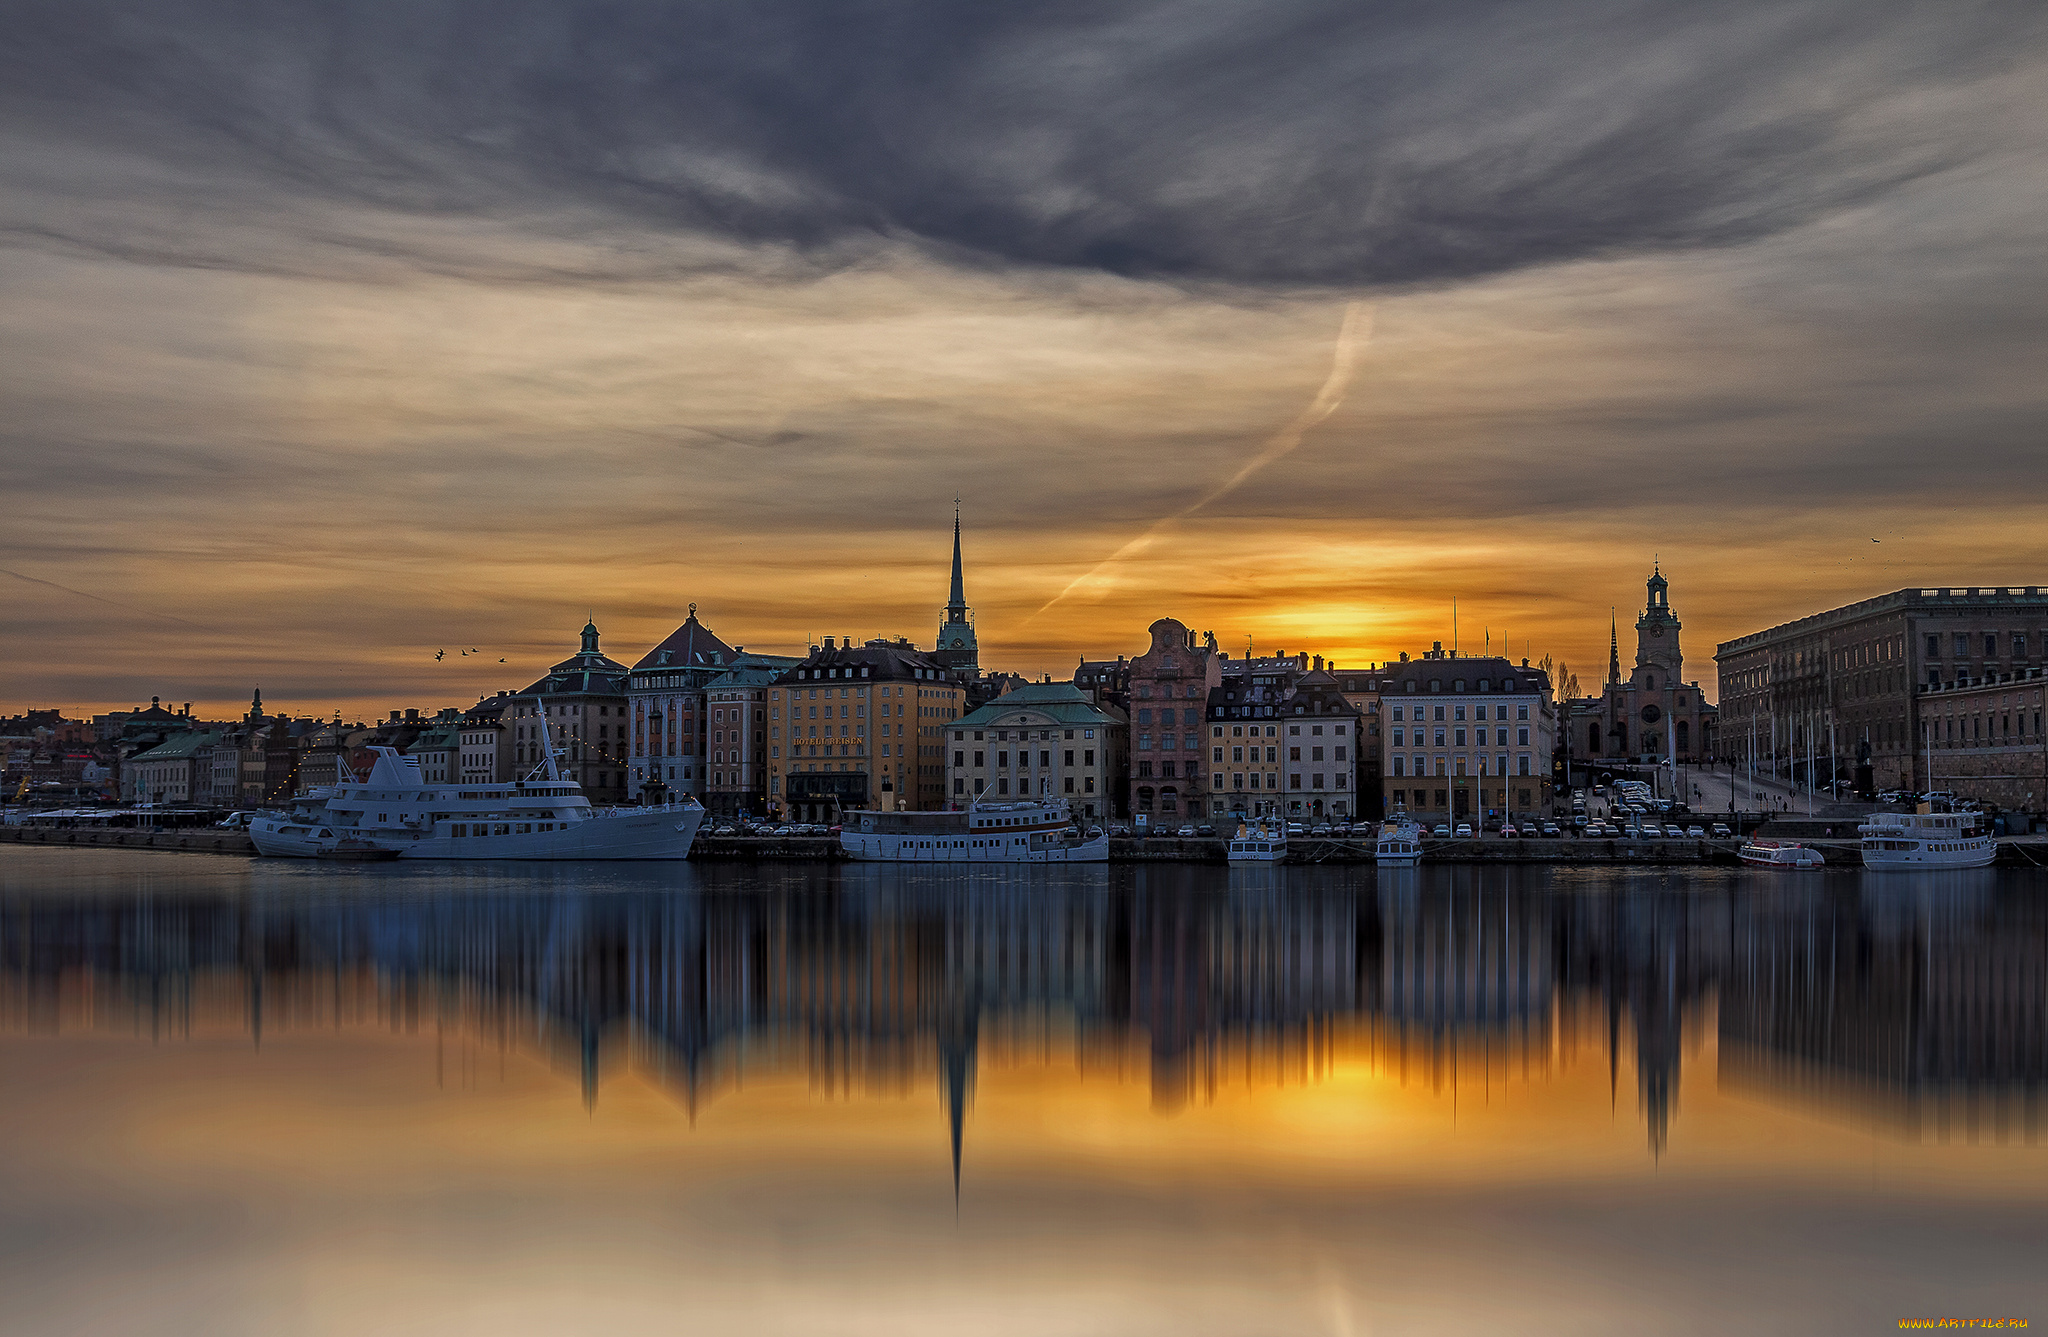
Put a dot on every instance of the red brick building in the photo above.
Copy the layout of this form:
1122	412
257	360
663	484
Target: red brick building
1170	685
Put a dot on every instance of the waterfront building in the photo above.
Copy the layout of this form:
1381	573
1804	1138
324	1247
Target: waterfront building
1170	686
736	703
584	698
860	727
1654	714
1247	744
1043	740
1984	739
666	695
1106	682
1320	749
438	748
1466	738
1361	689
484	742
1844	686
174	771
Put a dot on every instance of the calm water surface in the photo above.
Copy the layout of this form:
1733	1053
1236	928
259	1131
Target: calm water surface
241	1096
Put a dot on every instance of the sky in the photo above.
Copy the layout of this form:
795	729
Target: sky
335	334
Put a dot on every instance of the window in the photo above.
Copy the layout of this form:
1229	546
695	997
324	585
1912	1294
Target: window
1990	643
1962	644
1294	754
1439	713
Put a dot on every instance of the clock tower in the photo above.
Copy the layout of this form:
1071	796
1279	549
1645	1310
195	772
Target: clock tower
1659	662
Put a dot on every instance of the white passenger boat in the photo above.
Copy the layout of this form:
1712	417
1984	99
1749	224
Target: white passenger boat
1779	854
1924	840
1258	844
544	816
1027	832
1400	843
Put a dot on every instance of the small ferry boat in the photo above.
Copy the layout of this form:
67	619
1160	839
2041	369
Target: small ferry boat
1400	843
544	816
1924	840
1259	844
1779	854
1039	831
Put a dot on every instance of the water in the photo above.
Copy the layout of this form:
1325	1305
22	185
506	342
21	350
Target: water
255	1097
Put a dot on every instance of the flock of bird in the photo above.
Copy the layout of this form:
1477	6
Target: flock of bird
440	654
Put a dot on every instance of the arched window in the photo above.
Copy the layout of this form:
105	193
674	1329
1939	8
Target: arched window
1145	800
1169	800
1593	738
1649	682
1684	742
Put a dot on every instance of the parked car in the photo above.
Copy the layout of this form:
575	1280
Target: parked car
1320	829
1721	830
1464	830
1442	831
1094	833
1205	830
724	831
1696	832
1120	830
235	821
1509	831
1551	829
1296	829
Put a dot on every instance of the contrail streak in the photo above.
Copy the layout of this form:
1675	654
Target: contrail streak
1355	331
146	612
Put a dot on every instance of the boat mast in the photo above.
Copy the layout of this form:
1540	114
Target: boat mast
548	751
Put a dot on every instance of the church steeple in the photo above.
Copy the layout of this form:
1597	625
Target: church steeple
1613	648
956	607
956	647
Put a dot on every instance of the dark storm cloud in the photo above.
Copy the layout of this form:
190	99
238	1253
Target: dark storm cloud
1282	144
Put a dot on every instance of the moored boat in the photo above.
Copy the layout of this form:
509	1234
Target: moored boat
1893	841
1258	844
543	817
1779	854
1399	844
1033	831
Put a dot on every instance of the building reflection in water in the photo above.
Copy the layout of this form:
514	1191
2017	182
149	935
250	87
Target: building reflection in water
1916	1003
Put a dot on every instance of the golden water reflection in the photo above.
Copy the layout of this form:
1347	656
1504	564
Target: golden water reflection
1112	1099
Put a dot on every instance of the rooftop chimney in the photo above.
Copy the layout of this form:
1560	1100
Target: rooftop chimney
828	642
1319	663
394	717
1404	656
412	714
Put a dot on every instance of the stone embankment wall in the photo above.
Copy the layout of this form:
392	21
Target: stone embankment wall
201	840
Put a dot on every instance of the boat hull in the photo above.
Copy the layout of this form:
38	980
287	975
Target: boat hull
656	834
955	848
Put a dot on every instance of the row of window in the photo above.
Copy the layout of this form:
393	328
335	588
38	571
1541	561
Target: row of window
1951	730
1500	765
1458	712
1500	736
1023	735
1002	783
1167	742
1963	642
1024	757
1293	754
1294	781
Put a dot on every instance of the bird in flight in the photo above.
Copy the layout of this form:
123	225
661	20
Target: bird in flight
438	654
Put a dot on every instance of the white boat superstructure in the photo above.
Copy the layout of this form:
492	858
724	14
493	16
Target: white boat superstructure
1923	840
1259	844
1026	832
544	816
1400	843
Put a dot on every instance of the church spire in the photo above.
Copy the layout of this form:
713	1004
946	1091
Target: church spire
1613	648
956	607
